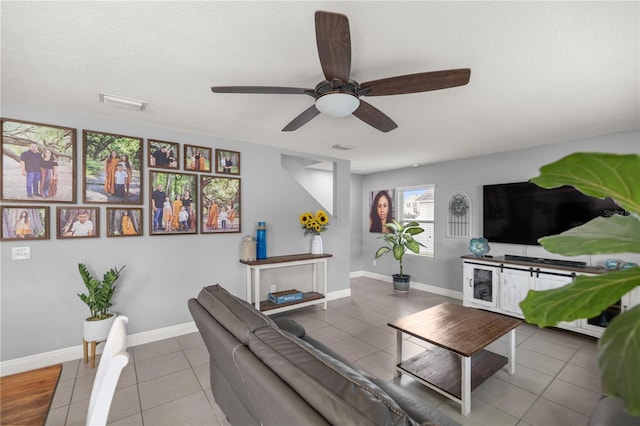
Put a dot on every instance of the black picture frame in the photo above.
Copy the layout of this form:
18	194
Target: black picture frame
54	179
100	180
176	187
220	205
24	223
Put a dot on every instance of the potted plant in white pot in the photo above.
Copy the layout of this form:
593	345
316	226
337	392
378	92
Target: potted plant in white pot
399	240
98	298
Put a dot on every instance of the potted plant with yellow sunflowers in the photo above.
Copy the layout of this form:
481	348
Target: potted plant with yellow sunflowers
315	224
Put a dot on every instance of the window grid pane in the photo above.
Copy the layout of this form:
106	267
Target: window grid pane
417	204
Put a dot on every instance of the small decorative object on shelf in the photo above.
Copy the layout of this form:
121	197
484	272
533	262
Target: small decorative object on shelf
249	249
315	224
285	296
261	238
479	246
613	263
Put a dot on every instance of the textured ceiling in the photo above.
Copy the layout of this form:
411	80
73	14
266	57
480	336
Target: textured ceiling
541	72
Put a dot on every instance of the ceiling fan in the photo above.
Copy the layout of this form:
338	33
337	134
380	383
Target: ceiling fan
338	95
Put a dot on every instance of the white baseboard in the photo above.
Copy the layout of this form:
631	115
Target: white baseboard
418	286
32	362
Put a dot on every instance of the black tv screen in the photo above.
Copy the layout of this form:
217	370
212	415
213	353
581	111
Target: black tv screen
520	213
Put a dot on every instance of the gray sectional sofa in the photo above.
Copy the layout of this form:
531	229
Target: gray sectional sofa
269	372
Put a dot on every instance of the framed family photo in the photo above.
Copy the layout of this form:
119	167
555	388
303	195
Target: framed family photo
173	206
163	154
219	204
78	222
197	158
124	222
24	223
227	162
112	168
38	162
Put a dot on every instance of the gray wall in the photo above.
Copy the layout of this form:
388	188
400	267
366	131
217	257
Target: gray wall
40	311
468	175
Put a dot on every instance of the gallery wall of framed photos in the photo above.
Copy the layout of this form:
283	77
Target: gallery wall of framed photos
191	189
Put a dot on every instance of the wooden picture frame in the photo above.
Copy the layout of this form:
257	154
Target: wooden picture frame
219	205
124	222
112	168
51	181
159	159
24	223
77	222
197	159
227	162
175	189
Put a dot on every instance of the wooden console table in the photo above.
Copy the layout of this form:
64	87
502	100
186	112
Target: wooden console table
314	297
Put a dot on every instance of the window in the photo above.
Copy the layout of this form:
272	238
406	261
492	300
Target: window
416	203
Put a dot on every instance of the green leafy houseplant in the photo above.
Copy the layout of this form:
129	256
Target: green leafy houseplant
99	293
400	239
599	175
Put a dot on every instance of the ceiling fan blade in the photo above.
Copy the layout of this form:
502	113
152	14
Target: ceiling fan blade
302	119
421	82
374	117
263	89
334	45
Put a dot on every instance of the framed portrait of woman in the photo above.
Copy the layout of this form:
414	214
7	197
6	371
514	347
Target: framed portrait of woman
163	154
124	222
173	208
38	162
112	168
23	223
78	222
197	158
219	204
380	210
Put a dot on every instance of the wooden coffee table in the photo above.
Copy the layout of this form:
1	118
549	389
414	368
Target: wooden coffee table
456	362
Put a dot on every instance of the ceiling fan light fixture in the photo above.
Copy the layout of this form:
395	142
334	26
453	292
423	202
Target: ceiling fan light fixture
337	104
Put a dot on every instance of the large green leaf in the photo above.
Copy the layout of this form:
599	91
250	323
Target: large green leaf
619	359
616	234
585	297
597	174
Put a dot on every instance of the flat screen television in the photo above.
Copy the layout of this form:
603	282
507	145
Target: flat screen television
520	213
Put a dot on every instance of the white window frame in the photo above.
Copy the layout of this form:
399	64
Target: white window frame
427	223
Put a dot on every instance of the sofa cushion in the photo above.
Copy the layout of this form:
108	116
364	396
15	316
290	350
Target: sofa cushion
338	392
236	315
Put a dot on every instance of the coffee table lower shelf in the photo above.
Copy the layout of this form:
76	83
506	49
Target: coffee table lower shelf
441	369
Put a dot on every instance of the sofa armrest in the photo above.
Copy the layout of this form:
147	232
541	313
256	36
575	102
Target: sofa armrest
291	326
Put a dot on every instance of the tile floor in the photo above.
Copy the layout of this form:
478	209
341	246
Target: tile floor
167	382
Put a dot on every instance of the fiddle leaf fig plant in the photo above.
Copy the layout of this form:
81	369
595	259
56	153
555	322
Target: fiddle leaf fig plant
99	293
400	239
599	175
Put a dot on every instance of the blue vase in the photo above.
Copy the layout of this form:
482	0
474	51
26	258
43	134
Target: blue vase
261	239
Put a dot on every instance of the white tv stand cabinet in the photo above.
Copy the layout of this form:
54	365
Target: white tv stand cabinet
498	284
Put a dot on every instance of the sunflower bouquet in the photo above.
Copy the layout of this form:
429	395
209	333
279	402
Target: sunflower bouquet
314	224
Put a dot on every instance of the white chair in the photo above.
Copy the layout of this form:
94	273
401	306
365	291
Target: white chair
114	358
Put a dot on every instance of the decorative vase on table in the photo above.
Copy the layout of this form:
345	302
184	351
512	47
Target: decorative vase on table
479	246
316	244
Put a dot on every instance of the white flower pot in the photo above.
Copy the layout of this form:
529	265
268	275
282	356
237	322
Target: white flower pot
97	331
316	244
